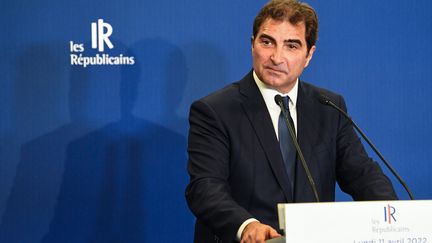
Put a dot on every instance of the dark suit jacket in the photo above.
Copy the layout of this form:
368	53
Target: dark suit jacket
236	167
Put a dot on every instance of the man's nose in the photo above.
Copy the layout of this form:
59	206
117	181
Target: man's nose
276	56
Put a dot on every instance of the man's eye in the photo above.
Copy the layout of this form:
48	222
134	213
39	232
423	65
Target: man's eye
266	42
292	46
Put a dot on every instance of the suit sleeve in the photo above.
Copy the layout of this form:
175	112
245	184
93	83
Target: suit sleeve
208	193
357	174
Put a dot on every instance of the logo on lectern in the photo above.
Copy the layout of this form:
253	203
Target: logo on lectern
389	214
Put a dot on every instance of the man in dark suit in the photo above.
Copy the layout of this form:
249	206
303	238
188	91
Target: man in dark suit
237	166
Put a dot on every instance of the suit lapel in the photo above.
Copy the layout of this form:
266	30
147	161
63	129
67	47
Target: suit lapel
307	135
256	110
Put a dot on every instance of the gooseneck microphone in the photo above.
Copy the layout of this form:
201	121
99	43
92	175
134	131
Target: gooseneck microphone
279	102
326	101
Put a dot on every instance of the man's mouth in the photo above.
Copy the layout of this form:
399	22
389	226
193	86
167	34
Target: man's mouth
277	70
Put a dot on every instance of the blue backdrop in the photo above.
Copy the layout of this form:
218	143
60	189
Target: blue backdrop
98	153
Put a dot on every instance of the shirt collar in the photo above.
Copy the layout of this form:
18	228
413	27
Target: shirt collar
269	93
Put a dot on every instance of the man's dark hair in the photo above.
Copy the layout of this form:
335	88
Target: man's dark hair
292	11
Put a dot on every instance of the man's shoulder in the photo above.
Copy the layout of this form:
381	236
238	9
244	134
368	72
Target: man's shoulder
313	91
230	93
223	103
224	94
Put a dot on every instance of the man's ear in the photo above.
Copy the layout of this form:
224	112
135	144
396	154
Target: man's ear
309	55
252	41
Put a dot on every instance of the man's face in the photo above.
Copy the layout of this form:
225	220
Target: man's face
279	53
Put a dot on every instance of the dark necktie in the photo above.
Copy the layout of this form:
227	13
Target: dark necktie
286	144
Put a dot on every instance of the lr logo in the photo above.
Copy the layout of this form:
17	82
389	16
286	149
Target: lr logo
389	214
100	33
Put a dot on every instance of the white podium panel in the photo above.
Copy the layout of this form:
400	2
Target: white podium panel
357	222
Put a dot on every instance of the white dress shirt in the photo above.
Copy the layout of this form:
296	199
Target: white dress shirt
269	93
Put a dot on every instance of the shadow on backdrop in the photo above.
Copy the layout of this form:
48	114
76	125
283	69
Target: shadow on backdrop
208	67
125	181
30	205
37	107
31	86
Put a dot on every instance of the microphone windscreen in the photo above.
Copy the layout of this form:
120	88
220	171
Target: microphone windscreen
278	99
323	99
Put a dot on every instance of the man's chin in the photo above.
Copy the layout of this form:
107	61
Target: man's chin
279	84
275	78
273	82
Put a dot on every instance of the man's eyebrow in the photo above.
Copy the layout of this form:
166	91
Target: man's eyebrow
297	41
266	36
293	41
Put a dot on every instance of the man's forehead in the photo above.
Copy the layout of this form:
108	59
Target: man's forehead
269	24
271	21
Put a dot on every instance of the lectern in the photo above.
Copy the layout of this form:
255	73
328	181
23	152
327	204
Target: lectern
356	222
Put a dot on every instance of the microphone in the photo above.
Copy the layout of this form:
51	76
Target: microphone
279	102
326	101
